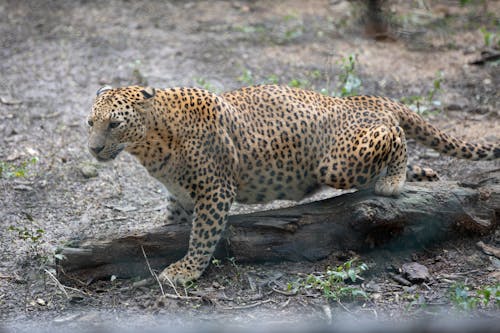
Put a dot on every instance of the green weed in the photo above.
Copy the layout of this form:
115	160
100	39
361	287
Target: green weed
272	79
465	299
415	300
237	269
350	83
332	282
205	84
137	75
33	236
20	170
27	234
294	27
216	262
489	37
436	87
299	83
246	77
426	104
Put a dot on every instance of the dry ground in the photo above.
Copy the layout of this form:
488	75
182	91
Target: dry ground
56	54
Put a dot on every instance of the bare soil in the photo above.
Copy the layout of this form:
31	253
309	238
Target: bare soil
56	54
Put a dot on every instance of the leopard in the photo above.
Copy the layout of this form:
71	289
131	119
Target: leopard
258	144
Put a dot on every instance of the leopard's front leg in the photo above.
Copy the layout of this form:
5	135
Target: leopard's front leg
209	220
177	213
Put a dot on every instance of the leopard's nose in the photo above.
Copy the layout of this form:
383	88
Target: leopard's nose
97	149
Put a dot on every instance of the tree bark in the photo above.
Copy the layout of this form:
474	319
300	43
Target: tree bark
425	213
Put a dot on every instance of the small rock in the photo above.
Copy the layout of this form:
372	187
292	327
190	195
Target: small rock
123	209
495	262
480	110
489	249
24	188
475	260
372	286
494	276
491	138
415	272
430	154
76	299
9	100
88	171
454	107
41	302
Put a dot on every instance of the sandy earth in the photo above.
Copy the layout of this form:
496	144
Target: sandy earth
56	54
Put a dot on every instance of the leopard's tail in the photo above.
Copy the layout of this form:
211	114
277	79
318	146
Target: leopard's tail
419	129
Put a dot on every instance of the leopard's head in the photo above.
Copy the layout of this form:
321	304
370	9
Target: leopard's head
118	119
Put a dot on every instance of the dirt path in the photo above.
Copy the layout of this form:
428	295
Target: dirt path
55	55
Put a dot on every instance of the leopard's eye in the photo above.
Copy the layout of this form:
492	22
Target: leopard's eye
90	122
114	124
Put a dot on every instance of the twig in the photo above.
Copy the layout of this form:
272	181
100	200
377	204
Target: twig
488	249
248	306
187	298
149	281
371	310
143	283
282	306
286	293
400	279
153	273
65	287
343	306
172	284
56	281
177	295
398	286
117	218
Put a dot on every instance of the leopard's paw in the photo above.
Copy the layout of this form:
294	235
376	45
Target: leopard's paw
389	186
179	273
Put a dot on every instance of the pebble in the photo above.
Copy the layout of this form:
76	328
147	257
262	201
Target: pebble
88	171
430	154
9	100
373	287
24	188
495	262
454	107
65	319
415	272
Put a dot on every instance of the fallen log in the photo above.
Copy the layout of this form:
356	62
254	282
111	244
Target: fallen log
359	221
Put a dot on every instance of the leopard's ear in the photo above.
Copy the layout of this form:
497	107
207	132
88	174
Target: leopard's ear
147	103
148	92
103	89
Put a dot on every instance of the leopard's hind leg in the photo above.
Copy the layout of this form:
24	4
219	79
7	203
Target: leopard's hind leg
395	158
375	153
